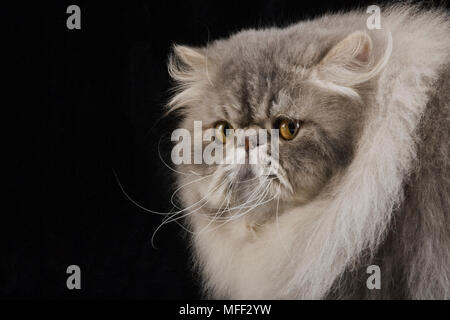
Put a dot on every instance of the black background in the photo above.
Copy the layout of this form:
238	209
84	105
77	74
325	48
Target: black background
89	101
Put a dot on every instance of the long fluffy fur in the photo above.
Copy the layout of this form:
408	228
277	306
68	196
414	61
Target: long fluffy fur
307	251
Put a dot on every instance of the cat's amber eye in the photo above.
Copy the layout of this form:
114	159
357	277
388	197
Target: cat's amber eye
288	128
223	131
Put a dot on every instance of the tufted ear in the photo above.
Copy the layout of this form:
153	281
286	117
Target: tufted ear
354	50
193	58
190	69
352	61
187	64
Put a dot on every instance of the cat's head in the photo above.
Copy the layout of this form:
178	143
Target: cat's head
314	90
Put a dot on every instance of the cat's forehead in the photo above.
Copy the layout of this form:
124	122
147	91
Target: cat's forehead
261	75
256	93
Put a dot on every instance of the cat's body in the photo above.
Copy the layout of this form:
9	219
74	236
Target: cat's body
373	183
414	259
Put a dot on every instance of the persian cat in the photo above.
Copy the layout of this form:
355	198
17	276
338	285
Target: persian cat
363	174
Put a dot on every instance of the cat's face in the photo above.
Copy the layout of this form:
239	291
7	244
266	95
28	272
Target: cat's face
248	89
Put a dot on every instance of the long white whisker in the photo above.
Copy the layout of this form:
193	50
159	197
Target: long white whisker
252	196
179	188
133	201
169	167
234	217
197	202
251	207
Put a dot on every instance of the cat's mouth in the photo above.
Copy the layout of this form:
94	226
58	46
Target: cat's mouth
241	188
245	172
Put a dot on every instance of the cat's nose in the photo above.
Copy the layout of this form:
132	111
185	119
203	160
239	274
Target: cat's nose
251	138
247	144
251	141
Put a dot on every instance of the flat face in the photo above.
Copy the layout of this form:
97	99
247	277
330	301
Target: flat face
262	86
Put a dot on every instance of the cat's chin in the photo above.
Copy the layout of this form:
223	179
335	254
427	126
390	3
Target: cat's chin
247	209
252	216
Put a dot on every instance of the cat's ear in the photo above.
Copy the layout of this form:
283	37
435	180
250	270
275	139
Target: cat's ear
191	57
190	68
353	51
187	63
352	61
